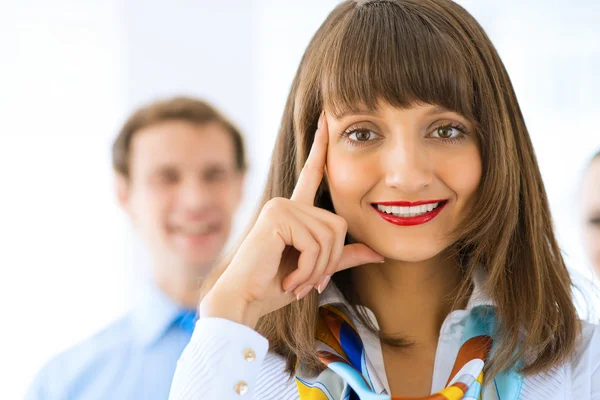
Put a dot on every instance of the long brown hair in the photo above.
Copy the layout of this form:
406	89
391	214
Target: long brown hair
432	51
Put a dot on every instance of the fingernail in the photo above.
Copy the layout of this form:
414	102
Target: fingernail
301	294
323	283
320	123
291	289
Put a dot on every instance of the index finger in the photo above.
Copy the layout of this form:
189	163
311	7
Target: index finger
312	172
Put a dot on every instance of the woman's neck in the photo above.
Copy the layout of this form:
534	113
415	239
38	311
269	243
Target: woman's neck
410	300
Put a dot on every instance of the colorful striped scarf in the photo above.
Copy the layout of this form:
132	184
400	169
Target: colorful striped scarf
341	349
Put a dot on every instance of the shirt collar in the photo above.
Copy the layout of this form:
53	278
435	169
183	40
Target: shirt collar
479	297
153	315
375	364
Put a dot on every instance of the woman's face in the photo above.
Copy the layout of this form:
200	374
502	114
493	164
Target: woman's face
590	199
403	178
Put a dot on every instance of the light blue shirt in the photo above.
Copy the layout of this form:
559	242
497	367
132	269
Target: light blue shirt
134	358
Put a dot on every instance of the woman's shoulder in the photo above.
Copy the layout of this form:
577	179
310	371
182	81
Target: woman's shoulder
585	364
274	383
578	378
589	342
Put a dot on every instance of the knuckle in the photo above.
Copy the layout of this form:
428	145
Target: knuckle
273	205
330	238
314	249
310	254
321	228
333	262
342	225
326	237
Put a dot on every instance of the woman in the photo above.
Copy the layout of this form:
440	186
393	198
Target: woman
405	246
590	201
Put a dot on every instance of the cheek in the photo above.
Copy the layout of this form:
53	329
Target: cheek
591	236
461	173
349	177
230	194
151	205
593	245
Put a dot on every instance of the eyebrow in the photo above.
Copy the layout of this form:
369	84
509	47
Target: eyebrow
365	111
354	111
172	166
439	110
443	110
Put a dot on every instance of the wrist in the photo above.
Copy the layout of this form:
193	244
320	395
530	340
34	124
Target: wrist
228	305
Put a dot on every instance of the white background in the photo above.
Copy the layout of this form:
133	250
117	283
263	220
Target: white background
71	71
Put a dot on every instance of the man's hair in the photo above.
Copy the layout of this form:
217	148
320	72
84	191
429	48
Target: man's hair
188	109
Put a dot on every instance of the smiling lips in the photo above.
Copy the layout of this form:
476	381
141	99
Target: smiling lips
405	213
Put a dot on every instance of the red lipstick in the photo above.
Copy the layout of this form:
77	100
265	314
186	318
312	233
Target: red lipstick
410	221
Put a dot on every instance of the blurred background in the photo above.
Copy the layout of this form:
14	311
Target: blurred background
71	72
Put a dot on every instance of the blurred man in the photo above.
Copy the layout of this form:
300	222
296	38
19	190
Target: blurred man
179	168
590	201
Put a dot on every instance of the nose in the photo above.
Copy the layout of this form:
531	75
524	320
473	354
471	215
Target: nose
194	195
408	166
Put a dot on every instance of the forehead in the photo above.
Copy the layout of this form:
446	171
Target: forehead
182	144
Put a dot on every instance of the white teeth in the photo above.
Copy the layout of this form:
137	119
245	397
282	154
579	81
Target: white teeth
412	211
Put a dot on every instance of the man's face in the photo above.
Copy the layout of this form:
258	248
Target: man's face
182	193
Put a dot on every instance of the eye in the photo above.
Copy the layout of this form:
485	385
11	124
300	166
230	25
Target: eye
595	221
215	175
167	176
450	132
360	135
446	132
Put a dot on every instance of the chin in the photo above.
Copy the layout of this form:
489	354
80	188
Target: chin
411	251
412	257
191	261
199	261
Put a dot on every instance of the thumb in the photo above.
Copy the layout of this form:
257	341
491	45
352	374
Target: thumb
357	254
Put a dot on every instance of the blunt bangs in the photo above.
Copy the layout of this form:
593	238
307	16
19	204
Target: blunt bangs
384	51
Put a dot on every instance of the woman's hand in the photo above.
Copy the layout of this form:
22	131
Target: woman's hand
293	248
